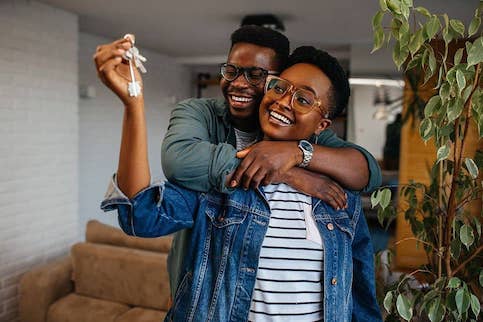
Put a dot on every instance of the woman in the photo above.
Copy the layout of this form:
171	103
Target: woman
272	253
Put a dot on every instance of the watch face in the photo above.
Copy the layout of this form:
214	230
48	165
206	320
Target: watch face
306	146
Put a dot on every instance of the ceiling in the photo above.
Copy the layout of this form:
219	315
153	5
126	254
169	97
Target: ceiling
201	28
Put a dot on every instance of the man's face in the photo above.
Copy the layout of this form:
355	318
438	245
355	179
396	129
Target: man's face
244	98
280	121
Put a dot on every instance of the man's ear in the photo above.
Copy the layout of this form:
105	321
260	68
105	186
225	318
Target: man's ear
324	123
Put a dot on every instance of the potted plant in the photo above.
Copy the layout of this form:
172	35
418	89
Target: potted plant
449	286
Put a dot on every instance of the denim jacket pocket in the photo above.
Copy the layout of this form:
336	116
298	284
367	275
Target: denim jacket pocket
345	224
181	302
222	216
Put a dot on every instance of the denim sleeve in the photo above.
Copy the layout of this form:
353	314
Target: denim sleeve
188	155
157	210
365	306
330	139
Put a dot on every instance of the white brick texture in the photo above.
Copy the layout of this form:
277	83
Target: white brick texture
39	133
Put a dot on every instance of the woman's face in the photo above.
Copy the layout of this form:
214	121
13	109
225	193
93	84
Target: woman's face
279	121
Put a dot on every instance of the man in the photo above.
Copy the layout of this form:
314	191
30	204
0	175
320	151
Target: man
199	150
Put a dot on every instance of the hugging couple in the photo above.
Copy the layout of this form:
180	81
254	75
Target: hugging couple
262	197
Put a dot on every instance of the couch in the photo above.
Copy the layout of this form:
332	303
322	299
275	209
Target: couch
111	277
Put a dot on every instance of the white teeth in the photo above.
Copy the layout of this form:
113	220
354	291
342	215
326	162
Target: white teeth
241	99
280	117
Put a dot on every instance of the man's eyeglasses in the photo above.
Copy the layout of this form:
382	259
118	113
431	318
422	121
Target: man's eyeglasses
253	75
302	100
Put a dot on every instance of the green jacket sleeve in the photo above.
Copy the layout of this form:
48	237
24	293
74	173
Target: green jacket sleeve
191	155
330	139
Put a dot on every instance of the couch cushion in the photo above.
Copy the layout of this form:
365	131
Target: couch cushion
142	315
100	233
77	308
131	276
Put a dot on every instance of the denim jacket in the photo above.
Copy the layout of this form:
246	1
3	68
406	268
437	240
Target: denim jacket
226	234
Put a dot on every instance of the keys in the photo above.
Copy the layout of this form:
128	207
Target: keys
134	87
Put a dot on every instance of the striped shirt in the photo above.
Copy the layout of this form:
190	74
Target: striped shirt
289	283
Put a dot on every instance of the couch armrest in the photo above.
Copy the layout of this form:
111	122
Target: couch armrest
42	286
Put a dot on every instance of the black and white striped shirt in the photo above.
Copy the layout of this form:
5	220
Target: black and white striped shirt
289	284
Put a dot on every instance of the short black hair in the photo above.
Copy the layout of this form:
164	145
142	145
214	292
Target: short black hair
264	37
340	91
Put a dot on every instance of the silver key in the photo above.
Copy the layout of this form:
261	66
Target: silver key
134	87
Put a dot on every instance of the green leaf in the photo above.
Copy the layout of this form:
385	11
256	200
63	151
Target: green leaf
378	39
388	301
377	20
404	34
399	54
383	5
433	104
457	26
455	248
475	54
454	282
416	41
375	198
432	61
454	111
442	153
460	79
425	129
467	93
477	225
436	311
474	25
462	299
467	236
475	305
423	11
472	168
385	198
394	6
432	27
395	26
404	308
444	91
458	55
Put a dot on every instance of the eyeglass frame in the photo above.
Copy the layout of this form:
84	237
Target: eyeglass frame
293	89
244	71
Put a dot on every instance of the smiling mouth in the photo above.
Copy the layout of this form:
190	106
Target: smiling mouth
280	117
241	99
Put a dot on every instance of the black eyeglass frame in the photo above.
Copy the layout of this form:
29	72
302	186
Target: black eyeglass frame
246	70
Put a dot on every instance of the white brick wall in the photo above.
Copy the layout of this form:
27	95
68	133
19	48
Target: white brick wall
101	120
56	150
39	140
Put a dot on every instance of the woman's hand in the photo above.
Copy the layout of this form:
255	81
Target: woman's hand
113	70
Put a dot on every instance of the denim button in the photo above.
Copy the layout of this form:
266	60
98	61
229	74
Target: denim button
220	219
334	281
330	226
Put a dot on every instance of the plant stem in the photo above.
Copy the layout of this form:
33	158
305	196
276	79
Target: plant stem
456	172
466	261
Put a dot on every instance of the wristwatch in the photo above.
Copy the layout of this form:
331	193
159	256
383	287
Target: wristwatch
307	150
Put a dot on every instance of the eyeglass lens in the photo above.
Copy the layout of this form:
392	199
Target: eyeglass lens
254	75
302	100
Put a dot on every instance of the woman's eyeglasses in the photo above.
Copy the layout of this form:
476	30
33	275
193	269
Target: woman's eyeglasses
302	100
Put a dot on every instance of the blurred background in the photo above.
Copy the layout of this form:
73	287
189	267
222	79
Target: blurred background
60	127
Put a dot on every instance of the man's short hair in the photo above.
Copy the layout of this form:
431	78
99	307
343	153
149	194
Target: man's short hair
340	91
264	37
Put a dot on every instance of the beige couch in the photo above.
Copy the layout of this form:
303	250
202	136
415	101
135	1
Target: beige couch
111	277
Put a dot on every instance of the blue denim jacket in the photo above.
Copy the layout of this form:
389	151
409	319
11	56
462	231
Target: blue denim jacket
227	231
